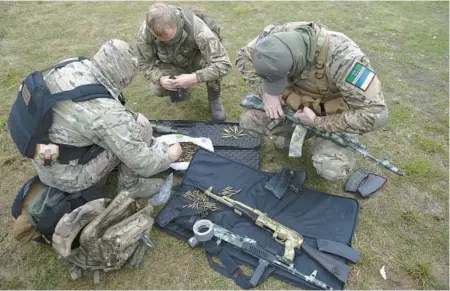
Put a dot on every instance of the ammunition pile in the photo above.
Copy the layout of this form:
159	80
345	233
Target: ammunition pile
201	200
189	150
233	132
229	191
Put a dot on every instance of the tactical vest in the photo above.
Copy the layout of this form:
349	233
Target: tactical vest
31	115
184	54
312	88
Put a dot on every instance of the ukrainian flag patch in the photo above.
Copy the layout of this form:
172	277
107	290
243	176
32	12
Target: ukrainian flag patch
360	76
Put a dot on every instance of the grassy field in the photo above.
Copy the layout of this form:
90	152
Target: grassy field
403	227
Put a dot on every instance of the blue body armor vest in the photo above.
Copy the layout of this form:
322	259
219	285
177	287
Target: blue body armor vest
32	115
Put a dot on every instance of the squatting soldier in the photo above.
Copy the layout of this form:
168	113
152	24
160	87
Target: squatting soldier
322	75
91	132
178	49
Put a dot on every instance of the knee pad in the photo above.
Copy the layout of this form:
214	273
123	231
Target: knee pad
334	166
253	120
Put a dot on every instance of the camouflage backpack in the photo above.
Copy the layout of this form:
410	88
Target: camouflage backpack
97	236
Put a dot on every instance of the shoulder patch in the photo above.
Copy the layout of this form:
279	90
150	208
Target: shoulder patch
360	76
26	94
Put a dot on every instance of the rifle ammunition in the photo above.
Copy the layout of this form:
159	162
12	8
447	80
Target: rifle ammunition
233	132
189	150
201	200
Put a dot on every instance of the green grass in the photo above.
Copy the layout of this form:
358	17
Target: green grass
411	217
12	77
404	226
400	115
421	271
418	166
429	145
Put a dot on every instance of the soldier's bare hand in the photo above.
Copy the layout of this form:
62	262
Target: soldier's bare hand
185	81
306	116
273	106
175	152
167	83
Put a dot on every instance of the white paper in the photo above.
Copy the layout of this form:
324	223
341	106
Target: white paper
383	273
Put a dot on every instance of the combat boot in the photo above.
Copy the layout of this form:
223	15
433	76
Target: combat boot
180	95
215	103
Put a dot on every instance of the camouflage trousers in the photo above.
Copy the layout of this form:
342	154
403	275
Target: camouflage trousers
169	69
331	161
74	177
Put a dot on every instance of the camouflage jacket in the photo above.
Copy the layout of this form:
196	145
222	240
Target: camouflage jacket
105	122
364	108
199	42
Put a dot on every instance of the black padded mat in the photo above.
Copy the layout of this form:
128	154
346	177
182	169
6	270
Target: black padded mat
245	150
214	131
250	158
312	213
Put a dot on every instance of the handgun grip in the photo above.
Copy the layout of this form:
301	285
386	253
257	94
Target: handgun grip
289	251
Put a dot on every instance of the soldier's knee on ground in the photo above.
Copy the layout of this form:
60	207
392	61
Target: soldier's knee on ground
137	186
254	120
381	120
332	162
147	131
146	188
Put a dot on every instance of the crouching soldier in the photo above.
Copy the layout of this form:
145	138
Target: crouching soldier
74	127
322	75
177	49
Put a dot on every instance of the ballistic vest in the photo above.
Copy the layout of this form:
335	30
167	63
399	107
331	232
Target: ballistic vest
31	115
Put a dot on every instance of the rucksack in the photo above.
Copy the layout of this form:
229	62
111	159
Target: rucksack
102	235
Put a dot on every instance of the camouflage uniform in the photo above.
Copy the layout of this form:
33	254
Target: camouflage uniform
126	136
339	105
199	50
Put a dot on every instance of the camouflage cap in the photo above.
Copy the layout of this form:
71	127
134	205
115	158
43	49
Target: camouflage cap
273	61
118	65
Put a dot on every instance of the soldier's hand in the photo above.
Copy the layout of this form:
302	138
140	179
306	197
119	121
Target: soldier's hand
273	105
306	116
175	152
167	83
185	81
